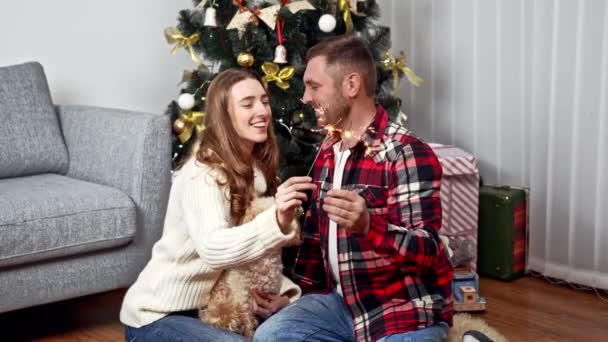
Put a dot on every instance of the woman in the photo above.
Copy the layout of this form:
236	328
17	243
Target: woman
235	160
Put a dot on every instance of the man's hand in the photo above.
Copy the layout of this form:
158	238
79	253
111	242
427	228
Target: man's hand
348	210
266	304
290	196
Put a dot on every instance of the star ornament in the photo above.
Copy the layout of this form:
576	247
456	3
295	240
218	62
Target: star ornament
268	15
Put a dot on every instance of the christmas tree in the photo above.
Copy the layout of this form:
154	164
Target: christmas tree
272	38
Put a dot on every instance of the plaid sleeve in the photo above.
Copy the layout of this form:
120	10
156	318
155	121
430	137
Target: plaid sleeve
408	232
308	271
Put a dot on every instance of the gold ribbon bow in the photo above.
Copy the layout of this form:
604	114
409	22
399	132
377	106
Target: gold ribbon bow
175	37
347	9
192	120
399	64
274	73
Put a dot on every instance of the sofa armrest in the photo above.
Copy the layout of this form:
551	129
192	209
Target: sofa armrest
126	150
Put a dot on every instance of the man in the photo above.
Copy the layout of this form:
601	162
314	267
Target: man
371	260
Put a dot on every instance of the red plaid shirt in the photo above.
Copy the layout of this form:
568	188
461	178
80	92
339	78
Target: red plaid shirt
397	278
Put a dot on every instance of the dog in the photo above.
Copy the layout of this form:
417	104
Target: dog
230	301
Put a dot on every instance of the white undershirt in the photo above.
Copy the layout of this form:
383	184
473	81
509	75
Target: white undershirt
340	158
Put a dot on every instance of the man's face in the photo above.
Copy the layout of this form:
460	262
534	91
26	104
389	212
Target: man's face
324	91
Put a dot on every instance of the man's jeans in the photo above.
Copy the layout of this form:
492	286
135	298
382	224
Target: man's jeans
184	327
318	317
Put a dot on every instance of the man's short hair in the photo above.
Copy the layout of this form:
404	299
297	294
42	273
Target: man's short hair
346	54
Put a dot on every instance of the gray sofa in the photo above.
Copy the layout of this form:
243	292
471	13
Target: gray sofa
83	192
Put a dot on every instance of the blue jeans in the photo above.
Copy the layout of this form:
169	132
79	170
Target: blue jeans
319	317
182	327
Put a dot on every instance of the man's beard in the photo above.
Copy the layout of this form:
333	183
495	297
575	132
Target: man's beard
339	112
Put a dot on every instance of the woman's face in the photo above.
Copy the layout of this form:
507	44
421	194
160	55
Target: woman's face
250	111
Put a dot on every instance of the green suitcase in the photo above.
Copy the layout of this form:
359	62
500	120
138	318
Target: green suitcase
502	232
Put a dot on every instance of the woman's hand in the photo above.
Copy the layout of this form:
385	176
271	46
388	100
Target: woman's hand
290	195
266	304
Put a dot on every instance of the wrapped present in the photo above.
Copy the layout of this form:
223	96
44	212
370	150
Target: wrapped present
459	203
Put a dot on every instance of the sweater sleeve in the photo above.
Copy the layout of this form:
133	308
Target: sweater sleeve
290	289
205	211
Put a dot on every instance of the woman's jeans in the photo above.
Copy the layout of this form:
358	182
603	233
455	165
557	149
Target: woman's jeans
182	327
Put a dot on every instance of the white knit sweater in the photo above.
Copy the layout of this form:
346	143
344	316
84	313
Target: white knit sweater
196	245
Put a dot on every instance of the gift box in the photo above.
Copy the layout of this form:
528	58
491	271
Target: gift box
459	202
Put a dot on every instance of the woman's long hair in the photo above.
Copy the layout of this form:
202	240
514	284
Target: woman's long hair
221	148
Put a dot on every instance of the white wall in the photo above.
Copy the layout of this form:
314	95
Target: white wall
108	53
521	85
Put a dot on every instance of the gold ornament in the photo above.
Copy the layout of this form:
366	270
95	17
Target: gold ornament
192	121
399	64
273	73
173	35
245	59
347	8
178	126
299	212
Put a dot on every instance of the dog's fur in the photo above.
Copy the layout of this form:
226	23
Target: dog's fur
464	322
229	306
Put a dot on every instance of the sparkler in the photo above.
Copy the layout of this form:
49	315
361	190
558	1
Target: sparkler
332	129
328	129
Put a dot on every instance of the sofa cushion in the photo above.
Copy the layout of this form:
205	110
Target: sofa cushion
30	137
50	215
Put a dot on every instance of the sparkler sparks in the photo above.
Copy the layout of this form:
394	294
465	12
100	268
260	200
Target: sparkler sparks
331	129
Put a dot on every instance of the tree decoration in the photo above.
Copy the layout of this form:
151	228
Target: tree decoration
327	23
273	73
187	123
347	10
397	65
280	54
245	59
174	36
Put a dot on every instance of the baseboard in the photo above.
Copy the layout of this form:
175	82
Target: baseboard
560	271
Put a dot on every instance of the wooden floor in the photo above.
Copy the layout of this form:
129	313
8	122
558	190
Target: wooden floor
528	309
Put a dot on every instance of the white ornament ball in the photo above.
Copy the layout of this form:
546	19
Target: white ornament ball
327	23
185	101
